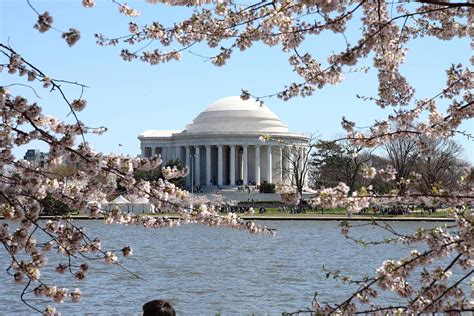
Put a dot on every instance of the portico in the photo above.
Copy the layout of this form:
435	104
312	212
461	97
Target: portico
222	147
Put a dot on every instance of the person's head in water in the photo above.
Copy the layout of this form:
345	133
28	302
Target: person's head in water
158	308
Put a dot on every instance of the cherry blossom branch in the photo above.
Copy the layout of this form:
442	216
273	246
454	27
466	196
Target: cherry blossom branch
53	83
447	4
375	280
355	48
449	289
118	263
381	309
23	85
434	281
23	299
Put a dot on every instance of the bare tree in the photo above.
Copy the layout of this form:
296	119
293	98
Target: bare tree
297	158
440	164
402	155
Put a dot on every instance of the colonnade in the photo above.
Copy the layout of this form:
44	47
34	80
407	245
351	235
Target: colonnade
236	164
232	165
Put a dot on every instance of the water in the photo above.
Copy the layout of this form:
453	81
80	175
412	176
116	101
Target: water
204	271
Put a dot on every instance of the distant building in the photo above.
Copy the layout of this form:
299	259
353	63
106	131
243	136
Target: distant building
222	145
35	155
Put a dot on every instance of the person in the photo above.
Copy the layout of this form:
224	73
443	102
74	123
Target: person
158	308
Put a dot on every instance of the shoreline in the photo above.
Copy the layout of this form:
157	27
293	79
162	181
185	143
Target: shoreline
345	218
291	217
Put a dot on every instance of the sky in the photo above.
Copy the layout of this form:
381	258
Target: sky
131	97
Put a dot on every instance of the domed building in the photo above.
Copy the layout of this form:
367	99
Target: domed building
222	145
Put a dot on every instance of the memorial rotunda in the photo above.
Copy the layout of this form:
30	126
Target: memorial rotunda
222	146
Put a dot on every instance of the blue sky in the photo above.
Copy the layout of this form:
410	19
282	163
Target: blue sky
129	98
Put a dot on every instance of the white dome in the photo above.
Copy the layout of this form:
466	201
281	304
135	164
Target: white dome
234	115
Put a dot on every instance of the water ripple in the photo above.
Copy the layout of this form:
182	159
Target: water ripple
204	271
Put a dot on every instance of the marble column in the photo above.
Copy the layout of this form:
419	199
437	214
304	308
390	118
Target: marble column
232	165
244	163
197	165
188	164
257	164
208	165
220	170
280	164
240	157
289	167
269	164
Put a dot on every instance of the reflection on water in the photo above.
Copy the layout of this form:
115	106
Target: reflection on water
204	271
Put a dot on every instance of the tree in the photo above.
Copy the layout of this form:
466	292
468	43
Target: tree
339	162
435	165
402	155
51	206
386	29
151	175
440	165
155	174
297	170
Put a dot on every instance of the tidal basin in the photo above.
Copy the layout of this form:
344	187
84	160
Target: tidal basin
208	270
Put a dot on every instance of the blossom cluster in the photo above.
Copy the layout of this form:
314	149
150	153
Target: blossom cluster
339	197
208	214
173	172
289	194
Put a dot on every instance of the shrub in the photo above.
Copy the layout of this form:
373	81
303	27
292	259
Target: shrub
266	187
